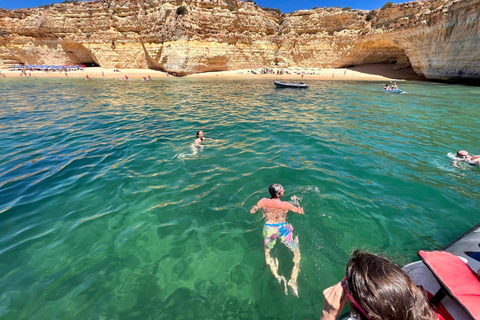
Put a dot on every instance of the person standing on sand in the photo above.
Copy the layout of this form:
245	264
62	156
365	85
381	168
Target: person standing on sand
275	213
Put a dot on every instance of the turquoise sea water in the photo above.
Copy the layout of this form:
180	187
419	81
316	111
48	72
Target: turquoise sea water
100	218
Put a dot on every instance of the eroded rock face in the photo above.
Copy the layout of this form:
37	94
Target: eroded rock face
438	38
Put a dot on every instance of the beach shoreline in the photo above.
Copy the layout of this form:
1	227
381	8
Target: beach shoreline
373	72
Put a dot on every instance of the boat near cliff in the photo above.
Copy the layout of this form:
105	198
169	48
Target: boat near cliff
450	277
280	84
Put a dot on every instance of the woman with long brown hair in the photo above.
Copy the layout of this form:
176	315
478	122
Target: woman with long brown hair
376	289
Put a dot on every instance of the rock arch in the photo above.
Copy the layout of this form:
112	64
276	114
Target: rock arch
78	54
378	50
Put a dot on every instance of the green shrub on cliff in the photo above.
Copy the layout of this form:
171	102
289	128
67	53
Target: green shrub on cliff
387	5
371	14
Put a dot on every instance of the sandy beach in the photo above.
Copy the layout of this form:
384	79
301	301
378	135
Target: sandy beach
373	72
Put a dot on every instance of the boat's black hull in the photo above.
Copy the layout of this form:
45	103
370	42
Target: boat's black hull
280	84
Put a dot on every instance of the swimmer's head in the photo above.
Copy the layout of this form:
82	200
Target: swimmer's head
199	134
462	154
276	190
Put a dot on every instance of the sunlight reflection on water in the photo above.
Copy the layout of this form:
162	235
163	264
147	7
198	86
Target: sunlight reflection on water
101	218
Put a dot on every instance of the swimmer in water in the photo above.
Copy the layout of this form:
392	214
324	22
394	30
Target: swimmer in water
275	213
463	156
197	145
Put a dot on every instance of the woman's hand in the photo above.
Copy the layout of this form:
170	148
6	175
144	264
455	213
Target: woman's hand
333	302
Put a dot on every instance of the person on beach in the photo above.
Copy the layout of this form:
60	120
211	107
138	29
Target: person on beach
275	213
463	156
376	289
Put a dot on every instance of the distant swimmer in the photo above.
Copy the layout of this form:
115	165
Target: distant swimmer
87	77
197	145
463	156
275	213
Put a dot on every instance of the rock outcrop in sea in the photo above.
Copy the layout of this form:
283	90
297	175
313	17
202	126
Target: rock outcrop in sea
439	39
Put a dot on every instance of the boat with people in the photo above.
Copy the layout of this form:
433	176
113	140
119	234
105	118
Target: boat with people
450	276
280	84
392	90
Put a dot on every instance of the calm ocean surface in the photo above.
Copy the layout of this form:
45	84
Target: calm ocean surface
101	219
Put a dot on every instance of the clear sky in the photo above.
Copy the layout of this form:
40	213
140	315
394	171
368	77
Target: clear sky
284	5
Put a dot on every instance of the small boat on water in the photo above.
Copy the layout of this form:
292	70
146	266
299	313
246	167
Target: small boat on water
280	84
392	91
450	276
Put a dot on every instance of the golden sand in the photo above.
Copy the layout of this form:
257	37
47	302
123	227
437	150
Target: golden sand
366	72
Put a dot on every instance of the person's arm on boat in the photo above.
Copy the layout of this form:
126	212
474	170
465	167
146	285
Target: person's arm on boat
333	302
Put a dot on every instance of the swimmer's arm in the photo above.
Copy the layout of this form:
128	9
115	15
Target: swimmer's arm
256	207
259	205
292	208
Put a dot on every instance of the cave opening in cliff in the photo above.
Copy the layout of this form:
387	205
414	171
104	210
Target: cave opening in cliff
90	64
78	54
381	57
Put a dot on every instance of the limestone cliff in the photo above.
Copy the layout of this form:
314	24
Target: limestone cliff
440	39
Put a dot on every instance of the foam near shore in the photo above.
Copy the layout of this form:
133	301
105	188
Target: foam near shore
364	72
